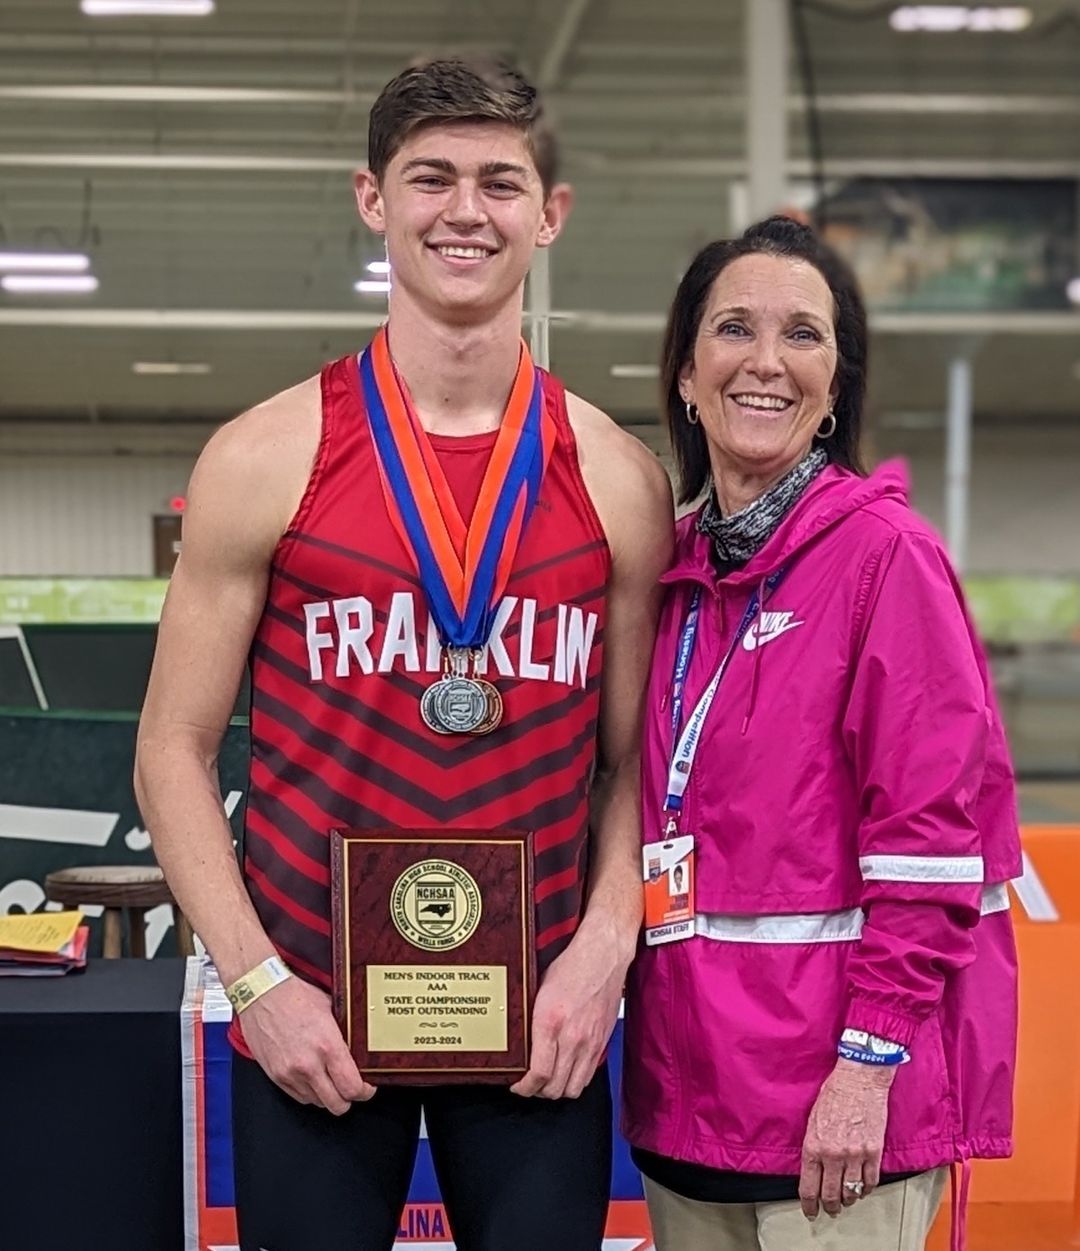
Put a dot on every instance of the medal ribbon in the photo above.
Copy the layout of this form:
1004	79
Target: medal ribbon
687	742
682	661
463	593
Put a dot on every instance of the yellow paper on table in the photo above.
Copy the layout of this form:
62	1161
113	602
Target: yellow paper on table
38	931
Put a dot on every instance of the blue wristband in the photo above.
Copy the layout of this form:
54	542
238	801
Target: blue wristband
864	1048
863	1056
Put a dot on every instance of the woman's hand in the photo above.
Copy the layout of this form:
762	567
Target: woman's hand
845	1137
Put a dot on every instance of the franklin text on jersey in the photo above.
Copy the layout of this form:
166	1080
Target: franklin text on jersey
353	636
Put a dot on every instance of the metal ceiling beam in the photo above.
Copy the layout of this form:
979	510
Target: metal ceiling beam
601	104
890	323
181	161
158	93
192	318
68	438
600	164
578	103
230	47
941	104
837	167
595	320
553	61
972	323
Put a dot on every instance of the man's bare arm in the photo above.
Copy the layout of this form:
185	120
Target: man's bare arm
211	611
243	492
579	998
637	511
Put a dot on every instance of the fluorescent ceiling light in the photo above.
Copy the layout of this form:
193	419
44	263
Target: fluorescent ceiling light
635	371
949	18
147	8
49	284
373	286
170	368
378	267
49	262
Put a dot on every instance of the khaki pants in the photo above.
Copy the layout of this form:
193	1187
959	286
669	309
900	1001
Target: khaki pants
896	1217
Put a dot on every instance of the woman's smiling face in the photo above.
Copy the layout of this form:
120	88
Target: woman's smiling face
764	364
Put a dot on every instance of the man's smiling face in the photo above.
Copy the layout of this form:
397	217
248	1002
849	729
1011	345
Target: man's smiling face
462	208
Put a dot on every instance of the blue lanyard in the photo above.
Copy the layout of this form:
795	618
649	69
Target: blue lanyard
682	661
685	744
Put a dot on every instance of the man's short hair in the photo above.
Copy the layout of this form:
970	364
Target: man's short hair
459	89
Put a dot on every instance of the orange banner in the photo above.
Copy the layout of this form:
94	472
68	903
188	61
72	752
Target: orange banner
1027	1203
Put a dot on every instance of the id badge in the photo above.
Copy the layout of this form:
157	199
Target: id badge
668	873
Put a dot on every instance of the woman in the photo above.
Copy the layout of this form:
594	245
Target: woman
839	1021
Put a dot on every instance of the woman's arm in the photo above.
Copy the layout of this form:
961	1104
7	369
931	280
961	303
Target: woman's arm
916	730
916	733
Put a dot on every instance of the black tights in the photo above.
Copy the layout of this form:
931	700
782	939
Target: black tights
526	1174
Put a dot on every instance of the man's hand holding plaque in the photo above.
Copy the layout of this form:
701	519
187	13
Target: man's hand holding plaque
434	956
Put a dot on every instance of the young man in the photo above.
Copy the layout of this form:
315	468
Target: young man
295	553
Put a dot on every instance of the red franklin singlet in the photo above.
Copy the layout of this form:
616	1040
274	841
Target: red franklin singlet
345	648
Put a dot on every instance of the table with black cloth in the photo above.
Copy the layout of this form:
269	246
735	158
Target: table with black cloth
90	1109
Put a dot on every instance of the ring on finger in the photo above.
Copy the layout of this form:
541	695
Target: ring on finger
855	1188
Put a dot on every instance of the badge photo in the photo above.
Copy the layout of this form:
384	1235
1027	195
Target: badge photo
668	875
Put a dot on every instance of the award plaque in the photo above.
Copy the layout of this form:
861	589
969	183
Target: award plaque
434	954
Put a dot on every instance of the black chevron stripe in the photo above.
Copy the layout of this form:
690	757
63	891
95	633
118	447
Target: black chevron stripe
402	787
560	906
275	809
567	854
349	705
345	811
409	576
559	559
444	757
301	584
361	558
551	861
548	813
294	935
546	955
291	882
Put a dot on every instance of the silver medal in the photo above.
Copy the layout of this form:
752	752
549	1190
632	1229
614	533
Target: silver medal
455	706
459	704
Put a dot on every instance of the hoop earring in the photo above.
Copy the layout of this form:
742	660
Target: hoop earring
830	420
692	414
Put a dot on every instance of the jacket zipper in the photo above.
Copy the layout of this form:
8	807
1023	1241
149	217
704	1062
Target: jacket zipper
682	983
682	976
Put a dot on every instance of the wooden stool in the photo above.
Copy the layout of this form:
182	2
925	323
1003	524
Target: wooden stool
130	887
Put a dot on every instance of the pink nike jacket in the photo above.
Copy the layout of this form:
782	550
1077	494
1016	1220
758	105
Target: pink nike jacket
855	816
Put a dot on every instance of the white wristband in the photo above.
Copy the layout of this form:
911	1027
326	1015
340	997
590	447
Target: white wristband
256	982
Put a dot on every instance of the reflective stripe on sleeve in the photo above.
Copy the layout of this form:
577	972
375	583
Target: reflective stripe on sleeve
995	899
811	927
921	868
796	927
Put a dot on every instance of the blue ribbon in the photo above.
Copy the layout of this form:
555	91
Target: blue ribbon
526	469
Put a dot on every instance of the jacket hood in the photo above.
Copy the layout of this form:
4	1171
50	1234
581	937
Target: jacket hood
834	494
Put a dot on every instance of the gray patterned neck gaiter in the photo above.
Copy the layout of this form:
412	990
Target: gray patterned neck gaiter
745	533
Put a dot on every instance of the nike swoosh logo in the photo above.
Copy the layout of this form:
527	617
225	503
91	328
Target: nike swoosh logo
753	638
